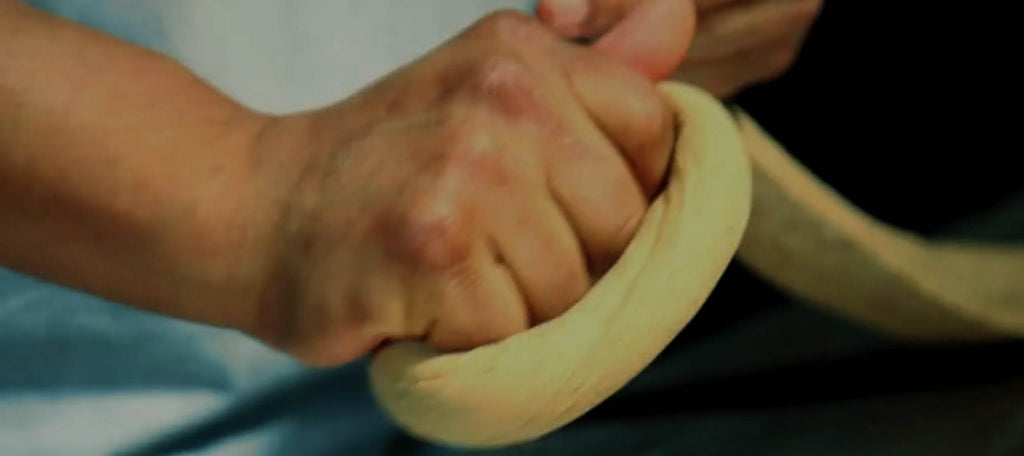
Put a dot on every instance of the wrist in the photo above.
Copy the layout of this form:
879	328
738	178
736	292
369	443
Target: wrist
272	204
226	244
268	209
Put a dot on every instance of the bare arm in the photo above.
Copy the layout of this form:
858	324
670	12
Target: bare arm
124	175
323	233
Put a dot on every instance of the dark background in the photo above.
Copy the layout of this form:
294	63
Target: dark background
909	109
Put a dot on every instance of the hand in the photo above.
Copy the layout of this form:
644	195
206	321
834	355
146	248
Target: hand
738	43
463	198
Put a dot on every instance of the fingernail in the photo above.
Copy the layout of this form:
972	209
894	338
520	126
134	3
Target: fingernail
565	16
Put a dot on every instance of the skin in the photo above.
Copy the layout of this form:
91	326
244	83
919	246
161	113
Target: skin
461	199
739	43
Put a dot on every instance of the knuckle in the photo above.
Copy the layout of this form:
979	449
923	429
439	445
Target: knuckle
506	84
431	235
509	28
467	153
652	119
641	109
500	74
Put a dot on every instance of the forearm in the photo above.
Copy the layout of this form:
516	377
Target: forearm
124	175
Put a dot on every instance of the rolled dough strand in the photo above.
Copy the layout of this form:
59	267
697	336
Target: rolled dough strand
805	238
534	382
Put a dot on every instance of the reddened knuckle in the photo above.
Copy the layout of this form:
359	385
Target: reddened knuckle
508	27
501	73
468	154
430	230
432	236
506	84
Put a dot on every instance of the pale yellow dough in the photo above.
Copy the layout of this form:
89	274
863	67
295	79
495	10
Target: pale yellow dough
808	240
803	236
534	382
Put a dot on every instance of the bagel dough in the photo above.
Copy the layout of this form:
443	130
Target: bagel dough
534	382
808	240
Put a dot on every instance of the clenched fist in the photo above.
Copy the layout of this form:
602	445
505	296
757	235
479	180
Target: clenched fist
475	192
738	42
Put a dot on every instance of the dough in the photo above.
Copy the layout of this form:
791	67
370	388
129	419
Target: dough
538	380
803	236
808	240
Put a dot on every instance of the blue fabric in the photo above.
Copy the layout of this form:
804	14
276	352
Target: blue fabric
132	20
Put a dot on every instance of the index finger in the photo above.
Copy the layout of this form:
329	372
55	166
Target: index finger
653	38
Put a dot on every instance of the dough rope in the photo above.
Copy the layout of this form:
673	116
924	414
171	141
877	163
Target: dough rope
808	240
802	236
536	381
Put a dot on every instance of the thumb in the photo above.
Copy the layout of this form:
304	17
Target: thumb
654	37
651	35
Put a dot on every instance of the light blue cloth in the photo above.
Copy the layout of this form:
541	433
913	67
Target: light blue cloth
79	375
132	20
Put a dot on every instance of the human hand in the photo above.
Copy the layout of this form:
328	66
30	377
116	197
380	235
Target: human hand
738	42
473	193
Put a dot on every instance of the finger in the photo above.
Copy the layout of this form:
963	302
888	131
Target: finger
544	257
454	294
746	26
726	77
532	235
476	304
653	38
587	176
596	191
629	110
